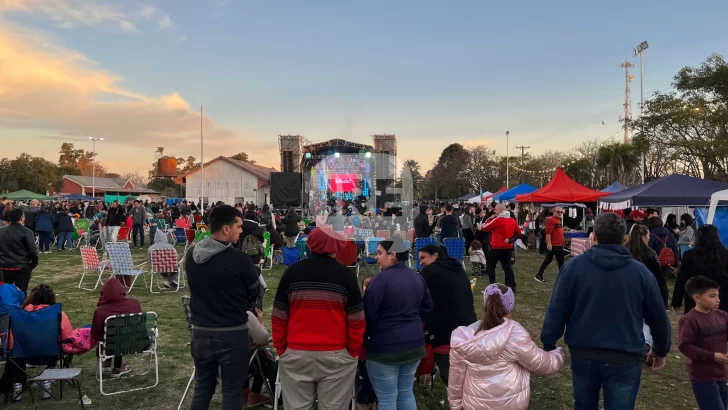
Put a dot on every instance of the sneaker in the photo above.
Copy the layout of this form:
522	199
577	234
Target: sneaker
120	371
167	284
539	279
175	284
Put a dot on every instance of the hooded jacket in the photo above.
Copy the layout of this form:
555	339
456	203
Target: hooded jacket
490	369
63	222
45	221
30	213
113	301
502	227
452	299
422	224
602	298
222	282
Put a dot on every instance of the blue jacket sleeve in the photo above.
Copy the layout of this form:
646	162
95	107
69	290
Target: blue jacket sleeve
559	310
373	299
655	315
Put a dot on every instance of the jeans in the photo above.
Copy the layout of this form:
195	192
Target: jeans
711	395
112	233
137	228
620	383
223	353
556	251
393	384
64	238
152	232
44	241
504	257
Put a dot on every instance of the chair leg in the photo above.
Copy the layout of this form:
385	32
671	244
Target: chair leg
189	383
80	394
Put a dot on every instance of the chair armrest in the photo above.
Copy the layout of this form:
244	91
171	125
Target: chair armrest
139	266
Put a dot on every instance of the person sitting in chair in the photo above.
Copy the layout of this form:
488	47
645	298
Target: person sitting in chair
259	339
160	242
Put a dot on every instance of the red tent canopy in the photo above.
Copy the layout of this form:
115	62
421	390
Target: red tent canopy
503	189
561	188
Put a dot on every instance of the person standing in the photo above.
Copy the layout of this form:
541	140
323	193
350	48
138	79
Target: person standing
290	223
602	298
114	217
318	327
138	219
703	337
687	234
64	228
467	222
448	224
663	242
554	242
18	252
221	281
503	233
44	223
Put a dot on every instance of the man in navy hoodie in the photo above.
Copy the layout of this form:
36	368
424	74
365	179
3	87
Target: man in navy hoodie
602	298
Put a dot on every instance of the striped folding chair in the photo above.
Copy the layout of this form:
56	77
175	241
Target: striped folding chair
268	252
383	233
165	261
122	263
364	233
91	263
419	243
456	249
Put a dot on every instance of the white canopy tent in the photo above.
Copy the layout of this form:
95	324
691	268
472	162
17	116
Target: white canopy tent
714	200
478	199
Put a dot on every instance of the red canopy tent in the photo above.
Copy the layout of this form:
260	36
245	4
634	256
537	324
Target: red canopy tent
503	189
561	188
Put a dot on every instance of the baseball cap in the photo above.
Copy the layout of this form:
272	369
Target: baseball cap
637	214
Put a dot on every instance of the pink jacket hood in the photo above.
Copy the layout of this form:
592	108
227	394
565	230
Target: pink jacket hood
491	369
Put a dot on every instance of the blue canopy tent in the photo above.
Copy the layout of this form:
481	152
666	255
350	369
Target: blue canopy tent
79	197
510	194
672	190
615	187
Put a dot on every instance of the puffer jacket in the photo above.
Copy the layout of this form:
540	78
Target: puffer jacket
491	369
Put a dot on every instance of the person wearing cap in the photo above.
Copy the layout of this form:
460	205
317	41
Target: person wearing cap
318	327
601	299
491	361
554	242
396	304
636	216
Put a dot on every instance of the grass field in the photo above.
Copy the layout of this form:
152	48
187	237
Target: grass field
669	389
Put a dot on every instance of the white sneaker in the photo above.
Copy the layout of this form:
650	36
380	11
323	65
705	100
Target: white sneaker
167	284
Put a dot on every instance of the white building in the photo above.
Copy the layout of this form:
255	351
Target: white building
230	181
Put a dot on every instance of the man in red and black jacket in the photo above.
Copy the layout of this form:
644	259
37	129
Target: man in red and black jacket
554	242
504	231
318	326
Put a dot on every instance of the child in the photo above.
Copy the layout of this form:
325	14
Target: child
366	399
477	258
491	360
703	337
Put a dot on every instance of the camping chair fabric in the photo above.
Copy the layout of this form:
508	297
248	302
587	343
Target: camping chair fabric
123	235
364	233
128	335
455	248
290	255
165	261
419	243
302	247
268	252
180	235
383	233
347	255
91	263
123	264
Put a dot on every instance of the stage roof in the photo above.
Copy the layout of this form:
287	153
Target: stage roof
337	145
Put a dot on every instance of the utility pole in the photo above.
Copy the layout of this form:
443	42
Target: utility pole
627	100
640	50
93	167
507	161
202	162
523	149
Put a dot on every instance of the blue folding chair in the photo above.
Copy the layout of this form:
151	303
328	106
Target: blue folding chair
370	250
419	243
364	233
36	341
290	256
408	244
456	249
180	236
302	247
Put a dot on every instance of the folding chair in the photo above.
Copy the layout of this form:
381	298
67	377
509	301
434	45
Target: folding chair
401	234
191	236
347	255
180	236
268	252
36	342
302	247
364	233
419	243
82	230
127	335
383	233
123	235
408	244
91	263
349	231
370	250
165	261
456	249
161	224
123	264
411	235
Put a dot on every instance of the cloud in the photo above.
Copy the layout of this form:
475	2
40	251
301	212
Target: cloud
126	26
68	13
165	22
47	89
181	38
146	12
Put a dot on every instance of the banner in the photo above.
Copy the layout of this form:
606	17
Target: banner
343	182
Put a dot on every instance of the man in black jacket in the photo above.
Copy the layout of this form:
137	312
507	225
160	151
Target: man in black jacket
113	221
18	252
222	280
422	224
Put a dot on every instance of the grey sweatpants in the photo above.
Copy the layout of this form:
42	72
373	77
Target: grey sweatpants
306	375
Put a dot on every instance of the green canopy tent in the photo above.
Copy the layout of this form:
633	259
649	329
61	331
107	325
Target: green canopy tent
25	195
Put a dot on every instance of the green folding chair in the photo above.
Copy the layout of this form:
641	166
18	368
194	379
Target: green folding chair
268	252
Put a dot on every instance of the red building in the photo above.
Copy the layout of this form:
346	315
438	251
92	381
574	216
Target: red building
76	184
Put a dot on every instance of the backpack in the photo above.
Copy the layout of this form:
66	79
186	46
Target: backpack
666	255
252	246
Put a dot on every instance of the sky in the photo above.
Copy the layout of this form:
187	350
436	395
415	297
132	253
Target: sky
430	72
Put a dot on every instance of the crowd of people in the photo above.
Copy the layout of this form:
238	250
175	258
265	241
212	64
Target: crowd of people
330	334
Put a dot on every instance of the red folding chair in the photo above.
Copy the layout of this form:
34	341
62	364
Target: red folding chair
349	231
123	234
347	255
411	235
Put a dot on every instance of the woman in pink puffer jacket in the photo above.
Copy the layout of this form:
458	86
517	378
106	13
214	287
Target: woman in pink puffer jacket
491	361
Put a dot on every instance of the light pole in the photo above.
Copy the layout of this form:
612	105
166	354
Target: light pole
508	167
640	50
93	167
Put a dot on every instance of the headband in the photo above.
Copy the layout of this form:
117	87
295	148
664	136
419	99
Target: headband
508	299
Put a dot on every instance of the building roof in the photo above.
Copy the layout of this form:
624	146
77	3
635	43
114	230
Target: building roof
255	169
107	184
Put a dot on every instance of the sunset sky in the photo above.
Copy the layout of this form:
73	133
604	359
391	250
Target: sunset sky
431	72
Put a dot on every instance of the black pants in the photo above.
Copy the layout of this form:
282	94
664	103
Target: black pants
468	235
20	277
220	352
558	253
504	257
662	285
137	228
44	241
443	364
542	242
269	370
710	395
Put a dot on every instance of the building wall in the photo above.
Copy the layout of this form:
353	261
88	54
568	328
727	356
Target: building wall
226	182
70	187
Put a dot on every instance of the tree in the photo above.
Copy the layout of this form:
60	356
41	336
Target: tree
166	187
411	177
79	159
482	170
189	164
447	178
112	175
242	156
135	177
619	161
27	172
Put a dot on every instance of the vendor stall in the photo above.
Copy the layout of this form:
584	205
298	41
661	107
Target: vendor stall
510	195
672	190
